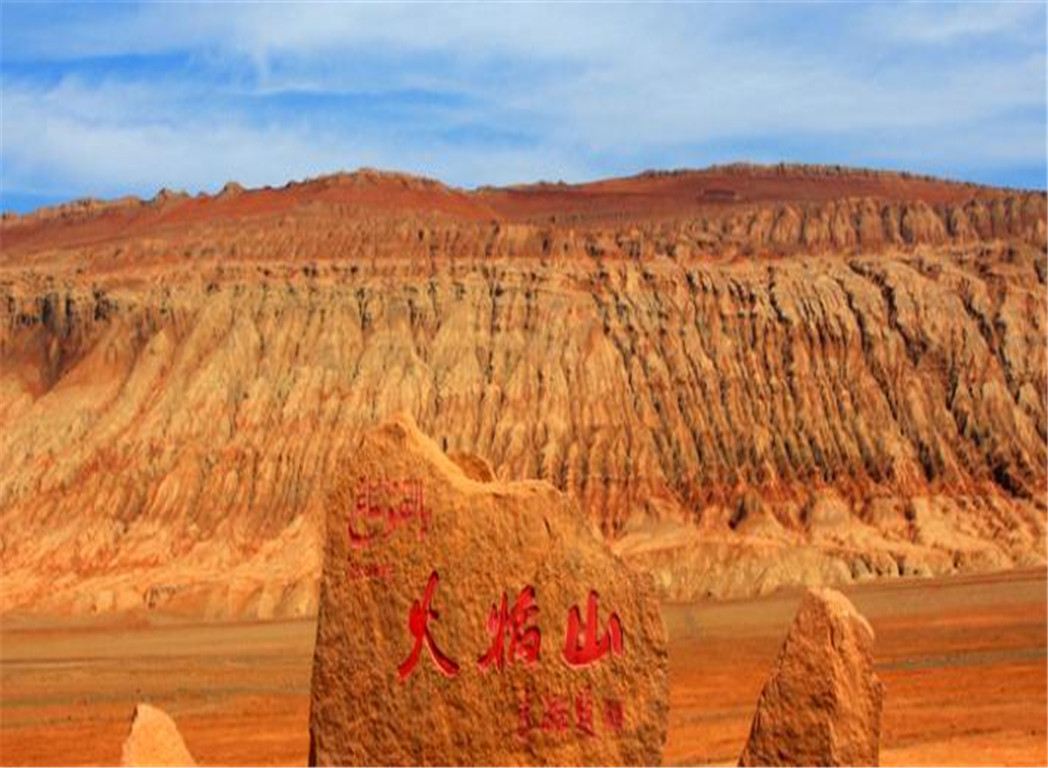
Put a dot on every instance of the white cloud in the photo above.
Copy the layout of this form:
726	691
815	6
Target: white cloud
589	88
947	23
111	141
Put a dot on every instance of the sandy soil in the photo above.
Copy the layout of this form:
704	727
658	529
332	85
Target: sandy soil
963	661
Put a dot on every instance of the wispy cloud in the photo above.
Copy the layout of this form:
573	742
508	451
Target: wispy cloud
104	99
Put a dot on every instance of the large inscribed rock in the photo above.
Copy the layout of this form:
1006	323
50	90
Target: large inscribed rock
476	622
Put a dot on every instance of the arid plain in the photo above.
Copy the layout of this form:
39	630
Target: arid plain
962	659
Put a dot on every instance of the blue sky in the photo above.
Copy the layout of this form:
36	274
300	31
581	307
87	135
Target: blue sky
105	99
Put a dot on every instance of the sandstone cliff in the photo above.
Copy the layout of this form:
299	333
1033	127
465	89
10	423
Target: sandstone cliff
746	376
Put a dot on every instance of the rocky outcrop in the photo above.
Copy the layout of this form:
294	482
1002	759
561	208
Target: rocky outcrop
476	623
822	703
474	467
154	740
175	395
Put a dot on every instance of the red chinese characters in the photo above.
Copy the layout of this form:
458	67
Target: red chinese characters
515	637
380	507
594	644
584	711
555	715
368	572
418	622
614	715
524	638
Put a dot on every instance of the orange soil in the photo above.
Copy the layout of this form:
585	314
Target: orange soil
675	192
368	193
963	661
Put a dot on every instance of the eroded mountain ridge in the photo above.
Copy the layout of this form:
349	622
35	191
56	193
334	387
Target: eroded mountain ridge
747	377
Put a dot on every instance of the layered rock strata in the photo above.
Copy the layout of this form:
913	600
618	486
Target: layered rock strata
733	411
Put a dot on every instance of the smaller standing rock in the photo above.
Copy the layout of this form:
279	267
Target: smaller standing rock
822	704
154	740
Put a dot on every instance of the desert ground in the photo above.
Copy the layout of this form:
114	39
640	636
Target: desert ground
963	660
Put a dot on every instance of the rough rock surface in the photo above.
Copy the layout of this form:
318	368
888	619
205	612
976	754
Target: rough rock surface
736	409
154	740
822	703
445	626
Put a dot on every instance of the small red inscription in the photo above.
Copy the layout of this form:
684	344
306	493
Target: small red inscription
418	622
614	715
524	716
584	711
524	638
555	716
368	572
380	507
594	645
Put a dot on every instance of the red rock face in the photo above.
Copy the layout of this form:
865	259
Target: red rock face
744	377
464	622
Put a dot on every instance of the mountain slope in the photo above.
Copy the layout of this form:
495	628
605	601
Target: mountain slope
746	376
